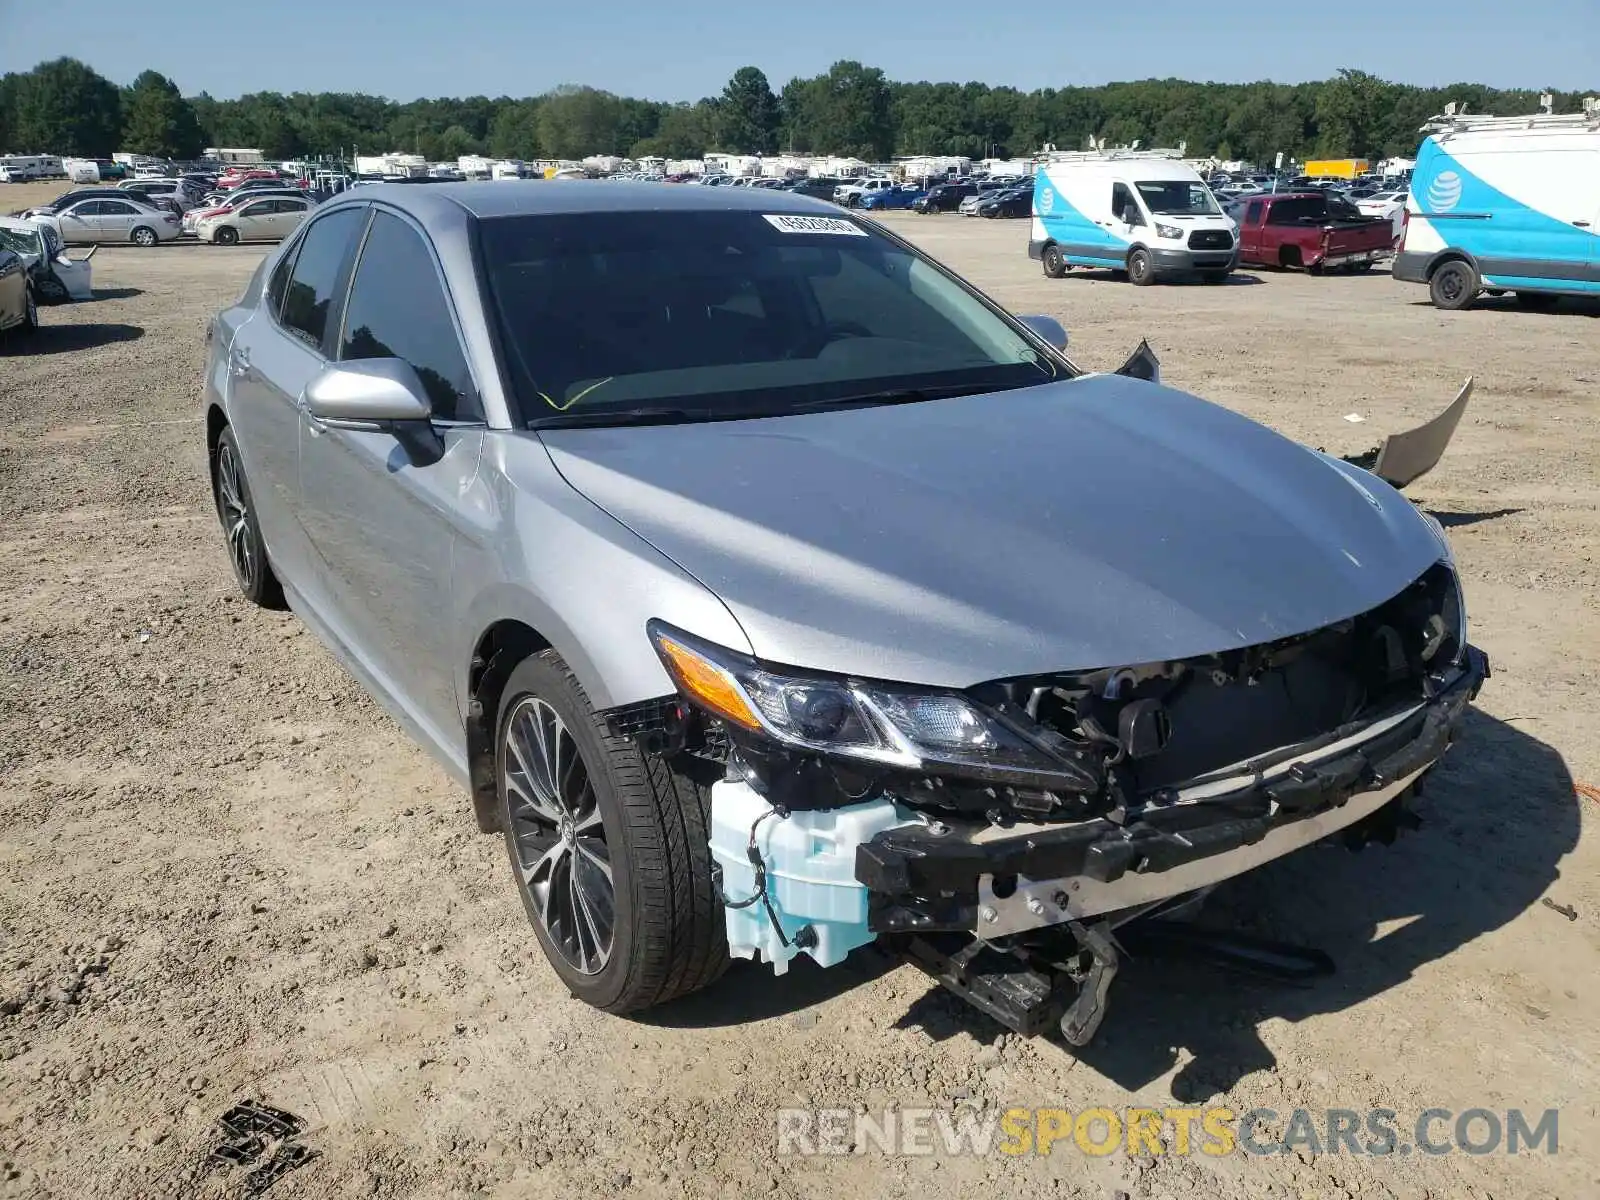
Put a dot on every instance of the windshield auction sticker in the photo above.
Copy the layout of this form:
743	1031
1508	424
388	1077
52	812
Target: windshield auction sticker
789	223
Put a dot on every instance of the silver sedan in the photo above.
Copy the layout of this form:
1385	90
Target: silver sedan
92	221
770	589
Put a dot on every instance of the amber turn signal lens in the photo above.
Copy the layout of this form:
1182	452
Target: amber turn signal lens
706	683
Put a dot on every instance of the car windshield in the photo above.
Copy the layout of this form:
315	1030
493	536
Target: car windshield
20	241
1176	198
723	314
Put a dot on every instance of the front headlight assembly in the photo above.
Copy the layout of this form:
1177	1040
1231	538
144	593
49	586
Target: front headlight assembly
890	725
1168	231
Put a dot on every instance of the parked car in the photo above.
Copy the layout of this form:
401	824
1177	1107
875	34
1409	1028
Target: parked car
74	195
123	219
945	197
1311	231
19	313
54	276
1012	202
181	193
263	219
903	196
1390	206
219	204
500	448
820	188
851	192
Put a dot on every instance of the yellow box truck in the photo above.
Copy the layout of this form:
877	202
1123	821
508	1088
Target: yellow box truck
1337	168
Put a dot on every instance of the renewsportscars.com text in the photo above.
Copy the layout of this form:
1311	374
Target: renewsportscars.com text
1098	1132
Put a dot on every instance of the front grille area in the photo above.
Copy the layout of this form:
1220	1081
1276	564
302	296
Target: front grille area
1211	239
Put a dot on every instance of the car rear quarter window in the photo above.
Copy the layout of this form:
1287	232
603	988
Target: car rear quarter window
324	252
398	309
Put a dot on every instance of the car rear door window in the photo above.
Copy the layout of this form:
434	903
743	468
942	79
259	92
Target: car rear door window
320	265
398	309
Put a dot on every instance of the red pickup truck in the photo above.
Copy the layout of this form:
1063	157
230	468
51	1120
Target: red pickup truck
1310	230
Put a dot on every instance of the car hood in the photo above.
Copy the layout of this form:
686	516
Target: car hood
1091	523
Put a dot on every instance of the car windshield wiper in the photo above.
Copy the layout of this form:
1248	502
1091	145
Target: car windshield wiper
623	416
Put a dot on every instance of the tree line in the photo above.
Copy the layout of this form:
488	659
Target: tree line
65	107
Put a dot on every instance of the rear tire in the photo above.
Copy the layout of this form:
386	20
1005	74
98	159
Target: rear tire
144	237
1141	271
1454	286
237	511
618	811
1054	262
30	313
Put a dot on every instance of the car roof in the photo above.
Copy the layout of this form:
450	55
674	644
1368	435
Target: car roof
508	198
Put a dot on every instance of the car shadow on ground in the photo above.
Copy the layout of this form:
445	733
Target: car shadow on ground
1109	275
62	339
1381	914
1561	306
117	293
750	991
1455	520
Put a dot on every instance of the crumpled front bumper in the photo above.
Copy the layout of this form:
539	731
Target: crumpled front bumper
991	881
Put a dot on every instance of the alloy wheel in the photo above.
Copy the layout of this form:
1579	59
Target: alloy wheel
561	854
235	512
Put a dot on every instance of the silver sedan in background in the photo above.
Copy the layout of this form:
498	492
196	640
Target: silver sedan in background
85	222
672	517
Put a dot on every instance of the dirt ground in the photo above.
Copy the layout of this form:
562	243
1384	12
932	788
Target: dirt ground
225	873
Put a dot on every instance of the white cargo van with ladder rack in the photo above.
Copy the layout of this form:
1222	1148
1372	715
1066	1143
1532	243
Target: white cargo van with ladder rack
1505	204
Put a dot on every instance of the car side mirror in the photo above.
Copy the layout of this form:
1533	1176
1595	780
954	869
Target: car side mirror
1130	215
369	391
1048	328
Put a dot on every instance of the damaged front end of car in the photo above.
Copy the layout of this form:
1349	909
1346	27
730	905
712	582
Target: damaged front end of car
1001	836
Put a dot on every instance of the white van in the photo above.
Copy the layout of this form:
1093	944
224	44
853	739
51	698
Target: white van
1147	215
1508	204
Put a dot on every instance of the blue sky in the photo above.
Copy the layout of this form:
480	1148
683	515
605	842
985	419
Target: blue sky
685	49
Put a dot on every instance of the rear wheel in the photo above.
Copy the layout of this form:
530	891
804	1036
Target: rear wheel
144	236
30	312
1141	271
1454	285
608	846
236	510
1055	262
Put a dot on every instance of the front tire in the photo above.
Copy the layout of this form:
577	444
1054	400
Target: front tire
30	312
1055	262
144	237
1454	286
608	848
226	236
236	510
1141	271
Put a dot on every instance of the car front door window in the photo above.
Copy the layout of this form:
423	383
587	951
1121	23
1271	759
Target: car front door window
398	309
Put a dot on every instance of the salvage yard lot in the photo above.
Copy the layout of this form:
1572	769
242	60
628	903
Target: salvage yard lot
224	872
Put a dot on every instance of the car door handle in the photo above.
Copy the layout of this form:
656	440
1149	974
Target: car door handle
1581	224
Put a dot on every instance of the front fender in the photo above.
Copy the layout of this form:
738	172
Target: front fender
550	559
